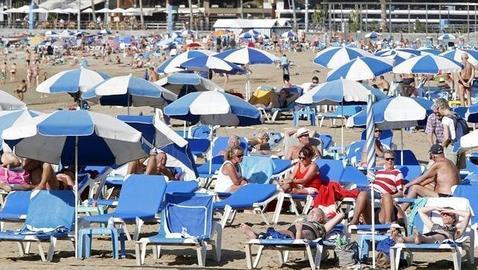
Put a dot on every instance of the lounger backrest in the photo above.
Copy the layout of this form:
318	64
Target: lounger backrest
247	195
410	172
50	209
386	136
141	194
142	123
191	214
469	192
348	110
199	132
409	158
326	140
330	169
220	144
16	203
198	145
458	203
354	152
352	175
257	169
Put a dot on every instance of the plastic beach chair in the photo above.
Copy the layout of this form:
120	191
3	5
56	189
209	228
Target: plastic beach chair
15	207
341	112
185	221
139	201
386	137
250	196
456	247
257	169
45	224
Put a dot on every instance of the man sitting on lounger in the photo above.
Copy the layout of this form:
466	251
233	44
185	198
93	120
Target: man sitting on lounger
155	165
313	227
437	180
303	135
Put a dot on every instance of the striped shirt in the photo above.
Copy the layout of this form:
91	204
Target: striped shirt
388	181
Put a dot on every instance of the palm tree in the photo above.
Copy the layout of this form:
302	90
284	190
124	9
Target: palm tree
383	15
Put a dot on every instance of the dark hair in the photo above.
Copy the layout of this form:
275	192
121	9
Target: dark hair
307	151
390	152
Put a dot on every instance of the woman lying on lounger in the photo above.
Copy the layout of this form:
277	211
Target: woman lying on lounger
155	165
313	227
452	227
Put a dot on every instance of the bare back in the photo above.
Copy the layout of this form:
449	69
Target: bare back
446	176
467	71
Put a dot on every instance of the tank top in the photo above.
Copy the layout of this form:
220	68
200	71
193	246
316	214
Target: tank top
314	182
223	182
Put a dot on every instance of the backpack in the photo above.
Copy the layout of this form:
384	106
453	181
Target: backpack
461	128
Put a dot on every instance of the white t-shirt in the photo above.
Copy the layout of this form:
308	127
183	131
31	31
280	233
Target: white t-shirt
450	125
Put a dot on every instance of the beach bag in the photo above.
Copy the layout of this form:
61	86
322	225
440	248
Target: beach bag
14	177
461	129
347	253
382	258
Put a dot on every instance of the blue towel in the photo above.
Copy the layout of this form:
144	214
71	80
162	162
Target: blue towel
257	169
419	203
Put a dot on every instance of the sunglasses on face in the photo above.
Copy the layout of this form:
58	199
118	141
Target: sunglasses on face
379	131
302	158
390	159
239	156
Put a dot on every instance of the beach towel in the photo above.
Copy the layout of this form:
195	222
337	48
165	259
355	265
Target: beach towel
257	169
329	193
419	203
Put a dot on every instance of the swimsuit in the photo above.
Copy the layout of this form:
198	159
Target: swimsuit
445	231
317	229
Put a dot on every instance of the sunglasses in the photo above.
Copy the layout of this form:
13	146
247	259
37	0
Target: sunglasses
304	135
379	131
302	158
390	159
239	156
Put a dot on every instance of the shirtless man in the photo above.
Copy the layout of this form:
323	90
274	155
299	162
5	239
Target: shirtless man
302	134
382	84
437	180
465	78
153	76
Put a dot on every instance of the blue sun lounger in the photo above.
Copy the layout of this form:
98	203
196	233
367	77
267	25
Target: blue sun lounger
45	224
250	196
139	201
15	207
186	220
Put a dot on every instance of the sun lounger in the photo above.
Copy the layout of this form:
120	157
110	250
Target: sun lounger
257	169
386	137
139	201
45	224
456	248
341	112
199	147
15	207
250	196
185	221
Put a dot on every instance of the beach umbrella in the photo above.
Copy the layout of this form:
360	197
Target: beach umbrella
40	10
214	108
362	68
247	35
335	57
72	81
469	140
425	51
118	10
372	35
396	55
471	114
57	10
88	10
457	53
70	10
173	64
129	91
206	63
104	10
288	34
75	138
248	56
9	118
427	64
9	102
446	37
185	83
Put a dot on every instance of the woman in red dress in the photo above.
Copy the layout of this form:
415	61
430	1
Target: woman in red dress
305	177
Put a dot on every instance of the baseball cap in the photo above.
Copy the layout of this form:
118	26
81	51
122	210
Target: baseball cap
301	131
436	149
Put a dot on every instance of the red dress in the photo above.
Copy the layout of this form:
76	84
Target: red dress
314	183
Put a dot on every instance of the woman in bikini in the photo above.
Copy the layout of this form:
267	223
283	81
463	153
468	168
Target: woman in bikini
451	229
314	226
305	177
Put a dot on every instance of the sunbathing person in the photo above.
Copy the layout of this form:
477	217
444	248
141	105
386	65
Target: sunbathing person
229	177
452	228
305	177
303	135
388	184
260	143
313	227
437	181
43	176
233	141
379	151
155	165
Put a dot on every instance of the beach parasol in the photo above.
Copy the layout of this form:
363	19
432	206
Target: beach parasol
362	68
335	57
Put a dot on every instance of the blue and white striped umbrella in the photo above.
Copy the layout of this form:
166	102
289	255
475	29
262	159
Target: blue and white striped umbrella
335	57
339	92
425	51
402	52
396	55
250	56
471	114
9	102
72	81
457	53
173	64
214	108
205	63
9	118
446	37
185	83
398	112
427	64
288	34
129	91
363	68
102	139
251	34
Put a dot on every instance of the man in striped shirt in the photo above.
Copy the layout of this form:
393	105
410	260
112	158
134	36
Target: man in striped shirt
388	184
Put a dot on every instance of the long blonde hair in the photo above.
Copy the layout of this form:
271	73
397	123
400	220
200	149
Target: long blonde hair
231	151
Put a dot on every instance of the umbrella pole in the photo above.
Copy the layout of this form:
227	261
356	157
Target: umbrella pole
401	147
370	144
184	130
210	149
76	197
342	129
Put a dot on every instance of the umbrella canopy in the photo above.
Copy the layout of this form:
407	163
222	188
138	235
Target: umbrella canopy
335	57
205	63
173	64
471	114
118	10
129	91
214	108
10	118
40	10
57	10
70	10
372	35
184	83
250	56
427	64
396	55
470	140
392	113
456	55
425	51
362	68
339	91
9	102
104	10
102	139
446	37
72	81
247	35
88	10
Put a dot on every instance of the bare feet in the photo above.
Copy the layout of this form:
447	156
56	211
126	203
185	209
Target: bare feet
418	238
5	187
247	230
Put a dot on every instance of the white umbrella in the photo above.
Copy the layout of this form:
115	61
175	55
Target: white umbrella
40	10
104	10
88	10
9	102
57	10
118	10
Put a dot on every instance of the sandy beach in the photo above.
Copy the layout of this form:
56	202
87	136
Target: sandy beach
233	256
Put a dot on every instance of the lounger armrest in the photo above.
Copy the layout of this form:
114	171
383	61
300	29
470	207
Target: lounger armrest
366	229
404	200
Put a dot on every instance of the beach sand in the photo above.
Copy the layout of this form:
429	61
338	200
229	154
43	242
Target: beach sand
233	256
